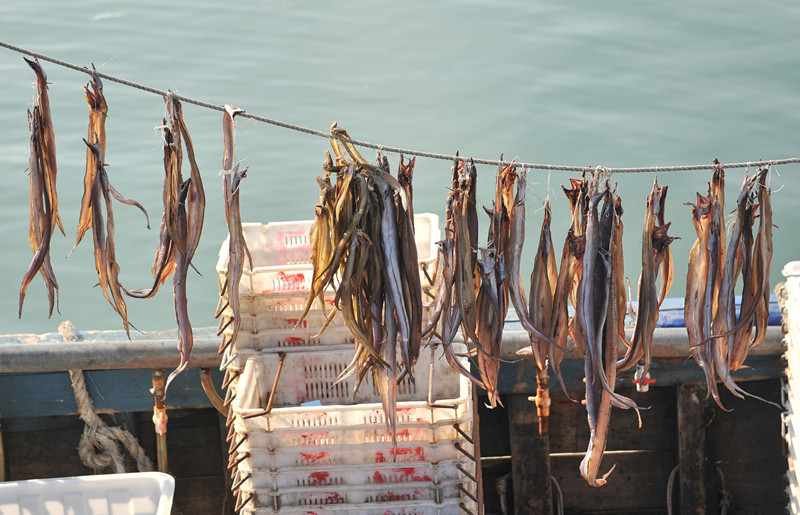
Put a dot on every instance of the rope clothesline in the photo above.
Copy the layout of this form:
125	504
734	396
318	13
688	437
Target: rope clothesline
395	150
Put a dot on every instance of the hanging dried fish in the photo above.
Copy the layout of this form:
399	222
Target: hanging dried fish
569	273
493	294
656	256
48	141
719	341
181	225
536	317
447	311
42	173
762	260
237	246
41	216
97	193
600	319
362	239
697	278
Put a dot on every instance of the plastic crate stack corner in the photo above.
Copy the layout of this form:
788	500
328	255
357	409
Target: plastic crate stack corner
300	444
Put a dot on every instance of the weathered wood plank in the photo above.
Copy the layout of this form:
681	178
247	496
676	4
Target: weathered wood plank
530	462
47	451
750	448
569	430
696	468
638	484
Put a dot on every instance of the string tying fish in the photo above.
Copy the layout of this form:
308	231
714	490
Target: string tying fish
385	148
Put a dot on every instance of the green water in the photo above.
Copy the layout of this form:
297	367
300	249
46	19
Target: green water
582	83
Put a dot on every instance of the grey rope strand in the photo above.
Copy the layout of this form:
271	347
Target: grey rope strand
396	150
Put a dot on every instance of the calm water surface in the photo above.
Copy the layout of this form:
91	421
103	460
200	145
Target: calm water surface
585	83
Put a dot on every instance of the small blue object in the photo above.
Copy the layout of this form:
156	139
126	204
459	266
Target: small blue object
312	403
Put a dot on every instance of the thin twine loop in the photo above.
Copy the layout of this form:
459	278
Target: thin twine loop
385	148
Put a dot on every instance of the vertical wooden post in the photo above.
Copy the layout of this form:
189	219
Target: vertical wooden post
696	463
530	458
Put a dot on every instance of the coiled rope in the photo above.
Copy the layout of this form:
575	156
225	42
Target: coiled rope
396	150
99	445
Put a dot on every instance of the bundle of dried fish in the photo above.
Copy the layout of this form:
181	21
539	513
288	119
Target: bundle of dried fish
43	196
720	342
600	318
447	309
569	274
363	240
237	246
181	224
656	256
97	193
493	294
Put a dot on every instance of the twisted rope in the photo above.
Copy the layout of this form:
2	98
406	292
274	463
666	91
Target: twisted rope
99	445
395	150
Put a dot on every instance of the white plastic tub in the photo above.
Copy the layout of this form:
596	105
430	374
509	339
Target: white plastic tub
140	493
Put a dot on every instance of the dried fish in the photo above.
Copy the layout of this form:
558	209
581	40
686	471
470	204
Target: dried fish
656	257
41	217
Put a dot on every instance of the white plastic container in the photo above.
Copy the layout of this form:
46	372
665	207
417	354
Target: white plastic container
311	376
338	453
446	507
140	493
356	475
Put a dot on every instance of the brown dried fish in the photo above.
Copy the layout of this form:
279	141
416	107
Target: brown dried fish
41	217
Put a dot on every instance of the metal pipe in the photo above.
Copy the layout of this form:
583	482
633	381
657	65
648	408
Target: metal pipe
160	420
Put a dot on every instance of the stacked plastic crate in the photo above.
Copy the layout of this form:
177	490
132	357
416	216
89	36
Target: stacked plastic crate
789	298
302	444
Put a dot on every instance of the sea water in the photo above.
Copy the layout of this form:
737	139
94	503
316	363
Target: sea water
582	83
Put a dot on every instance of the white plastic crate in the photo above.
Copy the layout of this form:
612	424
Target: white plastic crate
140	493
446	507
790	308
355	475
294	457
343	434
352	455
362	494
310	376
282	339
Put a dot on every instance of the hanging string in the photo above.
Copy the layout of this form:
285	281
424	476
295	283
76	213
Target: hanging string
394	150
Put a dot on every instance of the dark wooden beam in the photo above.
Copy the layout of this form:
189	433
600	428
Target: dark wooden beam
530	458
696	463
